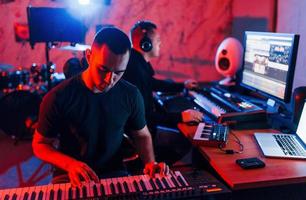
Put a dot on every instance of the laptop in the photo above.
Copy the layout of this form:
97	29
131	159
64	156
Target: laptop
285	145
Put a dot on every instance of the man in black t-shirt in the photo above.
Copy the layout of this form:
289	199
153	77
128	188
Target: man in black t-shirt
146	46
87	114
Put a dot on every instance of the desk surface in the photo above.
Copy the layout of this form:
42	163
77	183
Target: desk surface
276	172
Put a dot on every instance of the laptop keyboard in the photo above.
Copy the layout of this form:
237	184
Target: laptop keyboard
289	145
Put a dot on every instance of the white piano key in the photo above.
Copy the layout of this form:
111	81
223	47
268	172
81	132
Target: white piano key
80	192
159	177
11	193
153	184
49	188
73	189
3	193
173	175
120	181
62	187
31	191
55	189
18	192
129	181
138	178
114	181
98	185
105	183
89	187
22	193
180	175
86	185
67	187
168	179
37	190
145	179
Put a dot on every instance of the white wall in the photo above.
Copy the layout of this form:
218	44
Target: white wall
291	19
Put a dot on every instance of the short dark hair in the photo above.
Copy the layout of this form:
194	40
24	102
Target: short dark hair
138	29
114	38
144	25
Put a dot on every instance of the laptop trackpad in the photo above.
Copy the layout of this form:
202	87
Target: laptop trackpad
269	145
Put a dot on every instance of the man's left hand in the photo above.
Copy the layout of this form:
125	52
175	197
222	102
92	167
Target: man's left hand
191	84
153	167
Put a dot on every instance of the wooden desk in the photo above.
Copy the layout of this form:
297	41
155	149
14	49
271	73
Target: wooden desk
276	172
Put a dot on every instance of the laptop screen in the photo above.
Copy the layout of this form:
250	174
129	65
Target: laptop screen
301	130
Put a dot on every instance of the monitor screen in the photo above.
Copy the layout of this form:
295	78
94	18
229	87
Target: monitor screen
54	25
269	63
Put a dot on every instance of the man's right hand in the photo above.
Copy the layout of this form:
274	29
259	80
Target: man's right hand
79	172
191	115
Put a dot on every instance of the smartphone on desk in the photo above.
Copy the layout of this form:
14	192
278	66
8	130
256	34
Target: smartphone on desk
250	163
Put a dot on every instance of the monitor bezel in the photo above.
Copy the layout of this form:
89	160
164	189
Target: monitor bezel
291	68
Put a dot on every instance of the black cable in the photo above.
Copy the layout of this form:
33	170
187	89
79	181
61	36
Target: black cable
232	151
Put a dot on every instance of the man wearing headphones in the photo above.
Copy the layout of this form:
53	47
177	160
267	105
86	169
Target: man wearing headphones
146	45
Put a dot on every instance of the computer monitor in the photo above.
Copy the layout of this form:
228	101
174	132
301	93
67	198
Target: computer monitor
54	25
269	63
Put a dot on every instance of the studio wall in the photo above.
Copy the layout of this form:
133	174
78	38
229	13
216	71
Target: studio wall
291	19
191	31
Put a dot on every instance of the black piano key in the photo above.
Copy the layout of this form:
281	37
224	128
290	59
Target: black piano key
159	184
152	184
136	186
33	196
26	196
59	194
40	195
165	183
51	195
70	193
126	187
95	190
7	197
84	191
102	189
77	192
119	188
112	187
179	178
14	196
142	184
174	181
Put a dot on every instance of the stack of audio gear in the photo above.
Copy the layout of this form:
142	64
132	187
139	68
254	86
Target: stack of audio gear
224	107
193	185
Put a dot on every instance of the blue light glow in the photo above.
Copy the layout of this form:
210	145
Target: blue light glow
84	2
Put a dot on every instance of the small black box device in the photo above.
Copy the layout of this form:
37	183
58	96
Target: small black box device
210	134
250	163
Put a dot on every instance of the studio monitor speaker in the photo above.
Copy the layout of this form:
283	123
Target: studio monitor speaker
229	57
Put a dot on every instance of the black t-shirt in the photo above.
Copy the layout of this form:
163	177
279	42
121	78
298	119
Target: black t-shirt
89	125
140	73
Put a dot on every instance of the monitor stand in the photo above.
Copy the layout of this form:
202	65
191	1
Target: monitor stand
272	106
